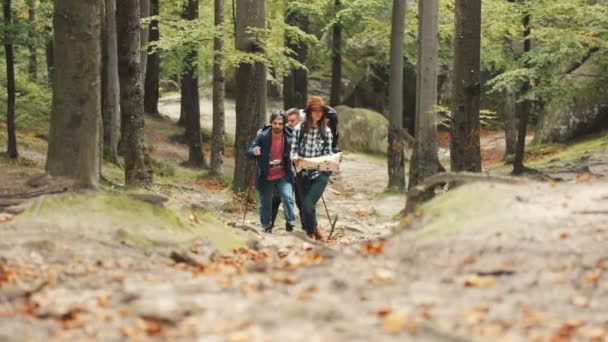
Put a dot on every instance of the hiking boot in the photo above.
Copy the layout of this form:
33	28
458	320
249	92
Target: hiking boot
289	227
317	234
268	230
311	235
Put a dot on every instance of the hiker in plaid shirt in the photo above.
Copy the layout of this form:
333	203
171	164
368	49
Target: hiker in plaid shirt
312	138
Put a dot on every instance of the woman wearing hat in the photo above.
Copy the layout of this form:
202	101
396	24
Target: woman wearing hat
313	138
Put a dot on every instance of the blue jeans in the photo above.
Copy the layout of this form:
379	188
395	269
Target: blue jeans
310	191
285	191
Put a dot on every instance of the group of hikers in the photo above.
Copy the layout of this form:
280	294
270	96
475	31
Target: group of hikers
279	149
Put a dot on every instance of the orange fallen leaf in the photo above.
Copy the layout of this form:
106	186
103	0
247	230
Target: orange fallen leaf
468	260
373	248
4	217
567	330
384	311
194	218
583	177
394	323
564	235
479	281
594	276
154	327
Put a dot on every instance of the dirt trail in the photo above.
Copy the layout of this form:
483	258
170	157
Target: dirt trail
485	262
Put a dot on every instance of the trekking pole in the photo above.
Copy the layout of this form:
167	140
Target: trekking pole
332	223
249	188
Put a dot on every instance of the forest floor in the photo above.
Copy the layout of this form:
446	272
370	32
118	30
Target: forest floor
486	261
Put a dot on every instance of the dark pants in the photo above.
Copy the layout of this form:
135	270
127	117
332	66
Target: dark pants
310	191
276	202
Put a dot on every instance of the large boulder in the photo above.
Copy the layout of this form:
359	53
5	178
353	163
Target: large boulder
583	113
362	130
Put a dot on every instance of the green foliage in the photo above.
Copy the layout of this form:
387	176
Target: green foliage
32	103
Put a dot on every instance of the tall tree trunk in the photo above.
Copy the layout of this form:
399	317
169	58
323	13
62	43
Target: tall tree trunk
295	83
151	84
48	50
217	135
110	105
336	60
190	94
424	160
10	84
395	153
75	129
465	151
32	67
138	167
510	123
409	97
251	90
144	13
523	109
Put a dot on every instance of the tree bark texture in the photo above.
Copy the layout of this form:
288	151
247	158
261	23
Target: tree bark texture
218	130
110	107
295	83
424	161
10	83
510	124
144	13
409	98
395	153
251	91
523	109
32	67
151	84
75	128
336	60
190	94
138	168
465	151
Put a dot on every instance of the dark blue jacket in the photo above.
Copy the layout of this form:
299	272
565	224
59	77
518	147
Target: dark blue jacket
263	140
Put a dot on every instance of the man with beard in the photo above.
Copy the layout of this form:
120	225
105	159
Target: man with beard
272	149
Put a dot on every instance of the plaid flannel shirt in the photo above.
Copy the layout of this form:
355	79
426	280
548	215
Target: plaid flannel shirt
312	145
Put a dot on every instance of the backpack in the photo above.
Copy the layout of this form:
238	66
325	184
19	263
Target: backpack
332	123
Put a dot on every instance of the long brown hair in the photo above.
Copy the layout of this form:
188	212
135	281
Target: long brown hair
322	121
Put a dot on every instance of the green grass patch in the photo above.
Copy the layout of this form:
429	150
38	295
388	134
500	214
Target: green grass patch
543	154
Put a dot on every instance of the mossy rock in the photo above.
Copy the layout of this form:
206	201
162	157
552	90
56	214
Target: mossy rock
362	130
120	218
567	118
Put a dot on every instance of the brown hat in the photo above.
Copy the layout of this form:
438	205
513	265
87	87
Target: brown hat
314	101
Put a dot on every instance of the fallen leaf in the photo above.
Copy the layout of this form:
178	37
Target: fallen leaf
479	281
4	217
594	276
238	337
583	177
468	260
361	214
382	276
531	318
475	315
384	311
567	330
154	327
580	300
394	323
194	218
102	300
373	248
564	235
